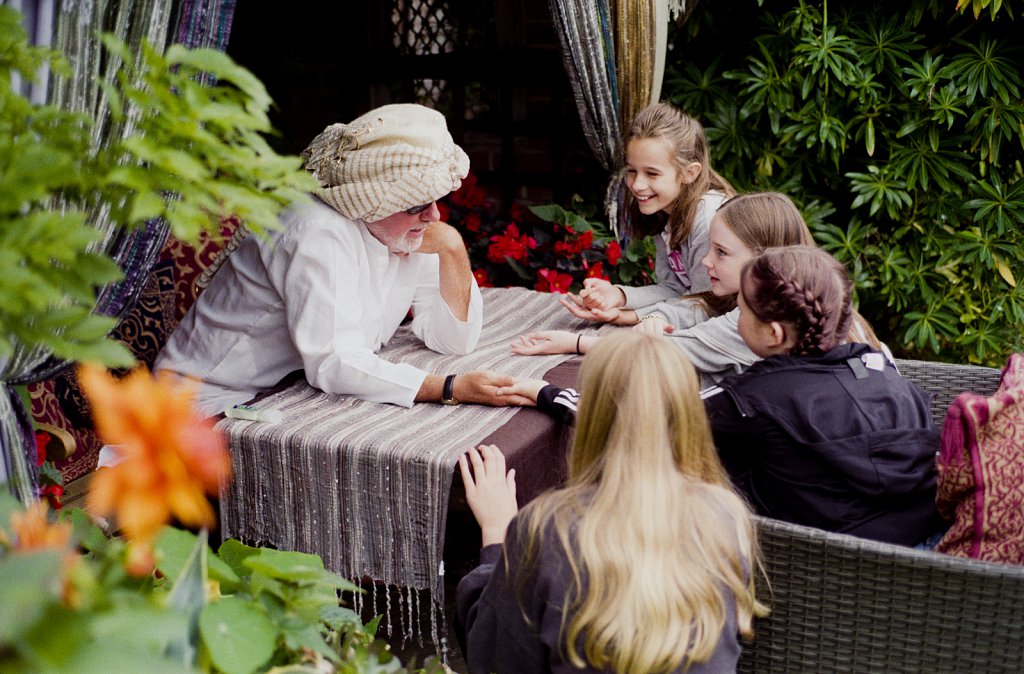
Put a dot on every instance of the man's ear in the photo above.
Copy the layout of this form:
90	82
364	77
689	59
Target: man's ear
690	172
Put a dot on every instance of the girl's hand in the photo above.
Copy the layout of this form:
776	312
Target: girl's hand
545	342
524	388
654	324
600	294
576	307
490	492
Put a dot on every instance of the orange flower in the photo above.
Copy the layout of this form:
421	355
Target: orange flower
33	531
170	456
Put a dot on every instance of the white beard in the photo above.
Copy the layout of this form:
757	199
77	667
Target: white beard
402	245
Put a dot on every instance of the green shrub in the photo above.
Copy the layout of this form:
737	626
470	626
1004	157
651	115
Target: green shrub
899	129
195	155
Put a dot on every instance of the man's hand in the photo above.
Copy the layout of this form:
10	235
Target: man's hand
600	294
490	492
455	275
481	386
441	237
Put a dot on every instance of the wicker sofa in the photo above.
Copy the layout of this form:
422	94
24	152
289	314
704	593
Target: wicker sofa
845	604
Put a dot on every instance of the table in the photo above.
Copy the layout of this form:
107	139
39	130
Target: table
366	485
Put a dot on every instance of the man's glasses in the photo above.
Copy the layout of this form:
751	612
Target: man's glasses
416	210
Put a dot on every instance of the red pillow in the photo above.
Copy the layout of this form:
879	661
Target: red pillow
981	471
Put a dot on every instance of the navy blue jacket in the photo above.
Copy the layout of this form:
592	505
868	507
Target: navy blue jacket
825	441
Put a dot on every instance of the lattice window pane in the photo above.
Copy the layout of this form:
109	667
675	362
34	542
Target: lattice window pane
423	27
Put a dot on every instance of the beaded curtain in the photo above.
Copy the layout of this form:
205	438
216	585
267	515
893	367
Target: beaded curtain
614	53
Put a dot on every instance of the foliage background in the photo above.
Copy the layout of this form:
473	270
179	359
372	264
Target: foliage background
899	129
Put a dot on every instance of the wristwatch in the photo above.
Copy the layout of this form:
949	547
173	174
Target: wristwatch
447	395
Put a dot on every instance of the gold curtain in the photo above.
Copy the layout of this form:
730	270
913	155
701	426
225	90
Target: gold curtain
635	30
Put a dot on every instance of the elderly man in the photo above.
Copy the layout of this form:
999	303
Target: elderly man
329	289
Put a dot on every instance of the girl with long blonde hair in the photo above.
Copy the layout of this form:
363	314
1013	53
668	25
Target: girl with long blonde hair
642	563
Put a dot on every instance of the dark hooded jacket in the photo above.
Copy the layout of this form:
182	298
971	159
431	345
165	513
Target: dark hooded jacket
839	441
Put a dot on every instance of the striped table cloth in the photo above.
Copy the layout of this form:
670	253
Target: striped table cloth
365	485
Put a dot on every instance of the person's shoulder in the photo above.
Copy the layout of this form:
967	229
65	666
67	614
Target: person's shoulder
713	199
709	204
314	223
314	214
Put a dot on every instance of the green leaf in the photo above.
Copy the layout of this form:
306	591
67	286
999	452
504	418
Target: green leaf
108	352
174	548
237	635
28	583
286	565
188	597
549	213
1005	272
146	206
234	553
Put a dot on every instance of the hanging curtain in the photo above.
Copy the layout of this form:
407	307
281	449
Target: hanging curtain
614	53
199	23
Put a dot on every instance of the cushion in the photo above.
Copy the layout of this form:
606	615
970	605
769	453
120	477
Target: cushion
981	471
173	285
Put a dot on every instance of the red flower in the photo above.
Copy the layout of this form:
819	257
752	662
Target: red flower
468	195
597	271
472	221
42	439
443	210
519	213
53	494
613	252
510	245
552	281
576	246
482	279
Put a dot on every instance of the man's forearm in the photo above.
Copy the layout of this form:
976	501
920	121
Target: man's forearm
456	281
430	389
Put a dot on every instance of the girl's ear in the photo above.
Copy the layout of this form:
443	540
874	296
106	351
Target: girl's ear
690	172
780	337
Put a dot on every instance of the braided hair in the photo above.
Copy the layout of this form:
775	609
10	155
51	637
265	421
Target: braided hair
804	287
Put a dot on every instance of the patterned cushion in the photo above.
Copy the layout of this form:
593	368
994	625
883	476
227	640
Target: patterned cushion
169	292
981	471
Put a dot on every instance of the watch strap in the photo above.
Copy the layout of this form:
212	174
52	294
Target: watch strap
447	391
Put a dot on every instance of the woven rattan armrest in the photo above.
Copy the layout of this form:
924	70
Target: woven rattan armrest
846	604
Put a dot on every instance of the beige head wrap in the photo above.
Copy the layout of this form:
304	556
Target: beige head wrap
388	160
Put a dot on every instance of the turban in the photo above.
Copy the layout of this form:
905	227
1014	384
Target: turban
390	159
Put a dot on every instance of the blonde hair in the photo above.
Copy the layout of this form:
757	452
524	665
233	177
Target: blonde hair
763	220
654	535
684	137
805	288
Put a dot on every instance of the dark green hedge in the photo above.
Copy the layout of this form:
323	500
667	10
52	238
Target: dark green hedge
899	129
